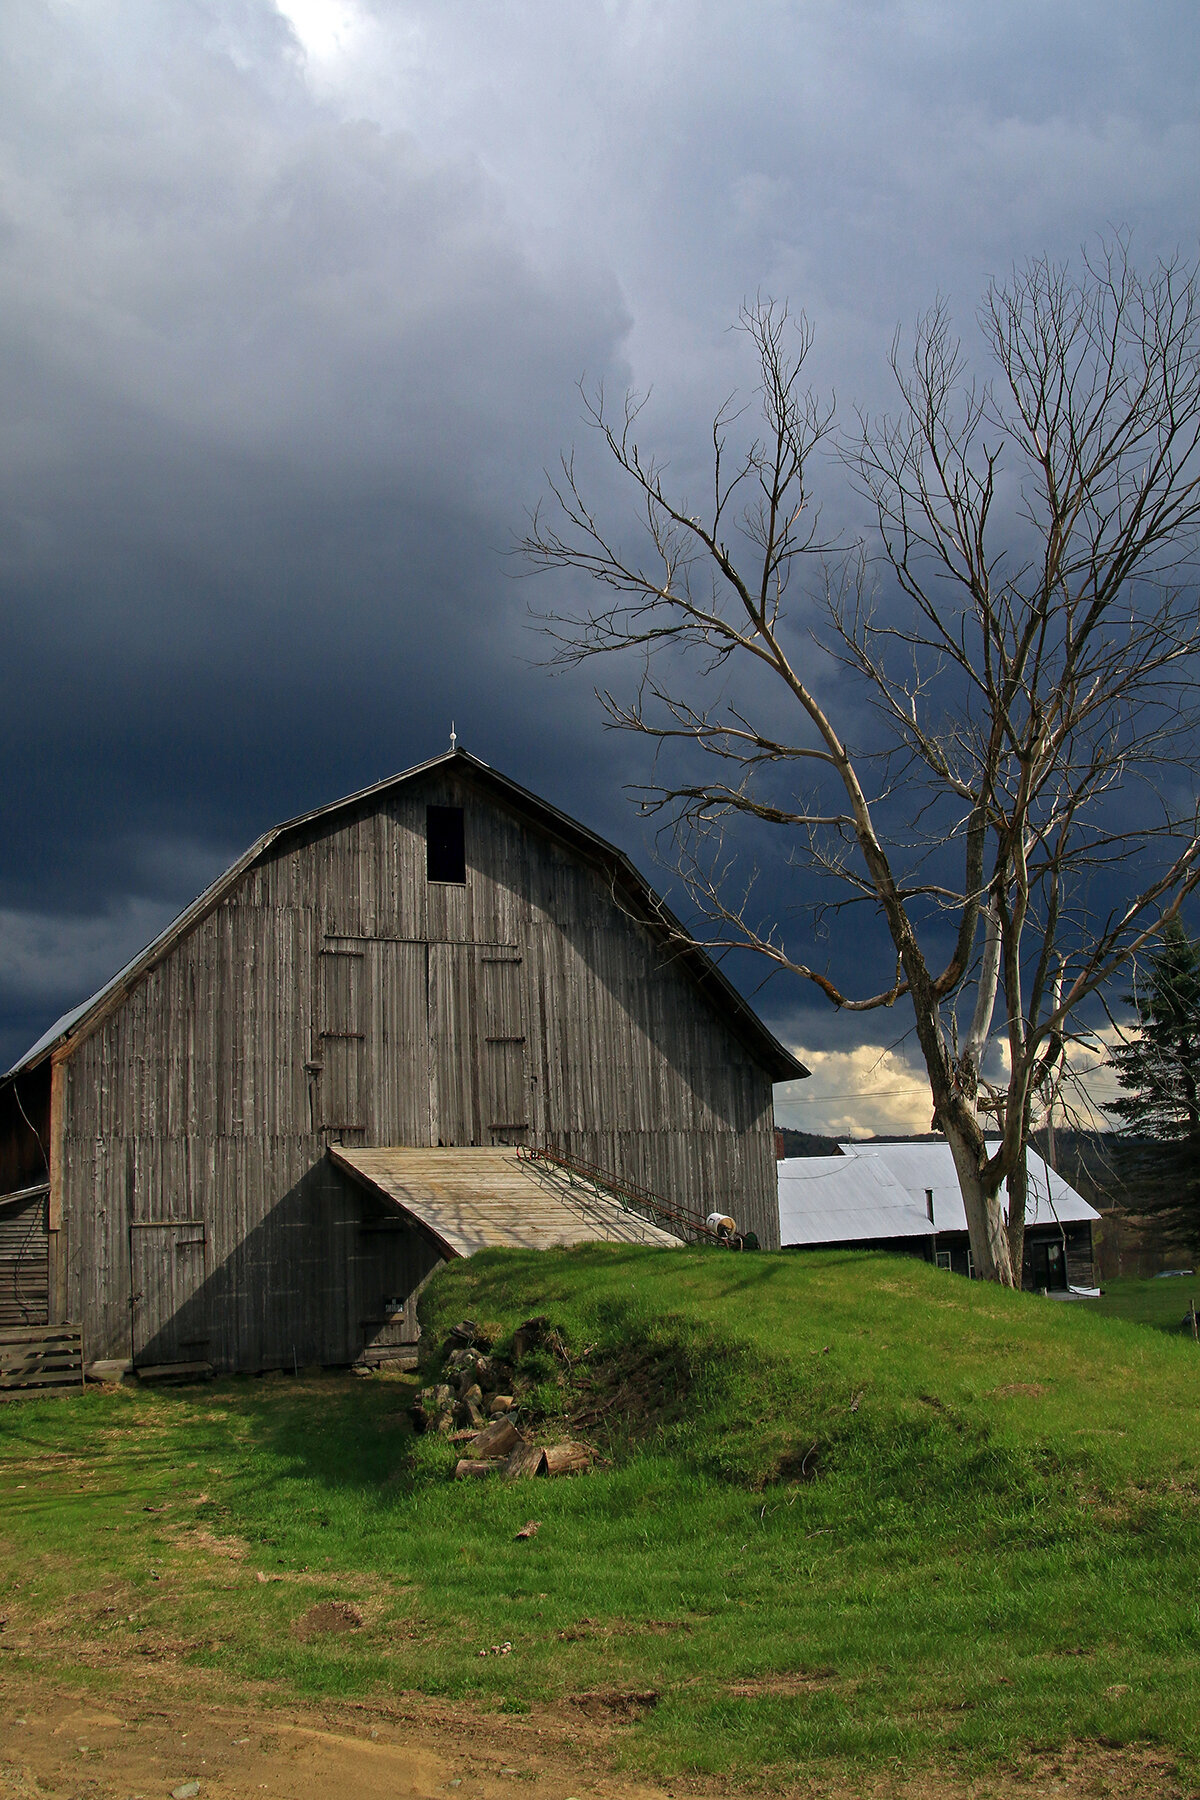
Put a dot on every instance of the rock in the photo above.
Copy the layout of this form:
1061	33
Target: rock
530	1335
500	1403
185	1791
434	1409
469	1411
466	1334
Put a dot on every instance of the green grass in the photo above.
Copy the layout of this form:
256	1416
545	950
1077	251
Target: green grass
1153	1302
994	1549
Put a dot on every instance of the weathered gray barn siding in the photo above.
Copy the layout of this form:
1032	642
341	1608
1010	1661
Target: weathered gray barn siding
24	1261
334	995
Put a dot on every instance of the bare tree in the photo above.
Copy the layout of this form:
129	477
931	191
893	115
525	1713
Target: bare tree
1017	799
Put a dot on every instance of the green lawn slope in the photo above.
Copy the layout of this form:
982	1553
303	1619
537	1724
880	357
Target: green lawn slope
852	1513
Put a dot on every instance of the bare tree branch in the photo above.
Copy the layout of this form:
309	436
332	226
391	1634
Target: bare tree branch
1024	638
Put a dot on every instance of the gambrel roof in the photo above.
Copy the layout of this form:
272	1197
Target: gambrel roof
627	884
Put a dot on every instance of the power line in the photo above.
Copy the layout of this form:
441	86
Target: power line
864	1094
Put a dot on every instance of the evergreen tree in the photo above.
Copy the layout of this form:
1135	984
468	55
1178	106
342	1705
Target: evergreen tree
1159	1073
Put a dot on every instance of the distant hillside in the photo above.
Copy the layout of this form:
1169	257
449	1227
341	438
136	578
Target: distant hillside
806	1143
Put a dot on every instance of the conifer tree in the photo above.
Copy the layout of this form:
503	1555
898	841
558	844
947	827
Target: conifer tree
1159	1073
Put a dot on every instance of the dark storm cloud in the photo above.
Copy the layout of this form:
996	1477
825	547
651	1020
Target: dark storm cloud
292	302
278	382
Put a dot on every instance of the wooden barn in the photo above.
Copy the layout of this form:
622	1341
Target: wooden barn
253	1145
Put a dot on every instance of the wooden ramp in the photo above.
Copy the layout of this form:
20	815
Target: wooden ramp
479	1199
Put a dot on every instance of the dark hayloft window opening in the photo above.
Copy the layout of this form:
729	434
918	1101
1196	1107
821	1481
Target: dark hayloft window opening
445	844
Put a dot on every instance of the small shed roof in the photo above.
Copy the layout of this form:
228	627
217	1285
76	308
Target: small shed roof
929	1163
479	1199
844	1200
625	878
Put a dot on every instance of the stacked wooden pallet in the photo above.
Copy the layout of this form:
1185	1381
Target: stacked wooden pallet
40	1356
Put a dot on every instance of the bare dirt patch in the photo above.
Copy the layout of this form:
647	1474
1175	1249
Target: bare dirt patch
328	1618
620	1628
196	1537
800	1681
625	1704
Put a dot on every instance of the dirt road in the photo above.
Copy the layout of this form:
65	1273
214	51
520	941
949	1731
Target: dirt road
153	1738
153	1743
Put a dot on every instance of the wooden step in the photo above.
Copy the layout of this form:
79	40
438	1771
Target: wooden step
180	1371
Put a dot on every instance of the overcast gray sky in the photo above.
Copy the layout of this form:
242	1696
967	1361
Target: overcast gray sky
293	299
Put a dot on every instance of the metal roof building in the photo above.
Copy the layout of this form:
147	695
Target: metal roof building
905	1197
844	1200
923	1166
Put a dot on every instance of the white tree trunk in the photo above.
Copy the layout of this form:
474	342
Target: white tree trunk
985	1211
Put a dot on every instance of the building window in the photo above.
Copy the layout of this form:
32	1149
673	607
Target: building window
943	1260
445	844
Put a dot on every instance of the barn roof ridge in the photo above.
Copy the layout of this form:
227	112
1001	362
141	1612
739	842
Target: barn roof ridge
77	1023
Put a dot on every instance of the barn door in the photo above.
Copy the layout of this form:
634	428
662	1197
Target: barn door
168	1300
421	1044
500	1036
479	1086
340	1055
396	1104
453	1067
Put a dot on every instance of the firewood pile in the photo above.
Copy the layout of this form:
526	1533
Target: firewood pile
478	1406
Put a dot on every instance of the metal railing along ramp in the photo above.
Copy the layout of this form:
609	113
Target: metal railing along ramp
579	1177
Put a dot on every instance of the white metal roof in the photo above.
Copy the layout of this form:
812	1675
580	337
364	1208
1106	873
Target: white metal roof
930	1164
845	1199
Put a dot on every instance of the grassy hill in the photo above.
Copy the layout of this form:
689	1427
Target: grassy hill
852	1514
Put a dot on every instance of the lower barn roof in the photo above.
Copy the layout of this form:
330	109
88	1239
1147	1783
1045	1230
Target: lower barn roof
471	1199
929	1163
844	1200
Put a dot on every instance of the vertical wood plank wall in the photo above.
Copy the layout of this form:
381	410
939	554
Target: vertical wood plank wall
336	995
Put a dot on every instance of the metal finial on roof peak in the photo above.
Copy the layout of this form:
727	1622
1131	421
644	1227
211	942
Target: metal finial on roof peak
453	736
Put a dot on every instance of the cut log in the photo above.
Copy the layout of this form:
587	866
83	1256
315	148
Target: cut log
469	1466
565	1459
526	1459
497	1439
